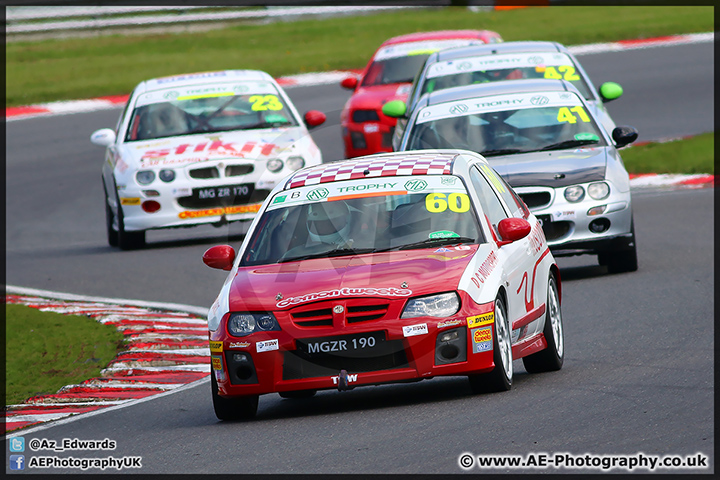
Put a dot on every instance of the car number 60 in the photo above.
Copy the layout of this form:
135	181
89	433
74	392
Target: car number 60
458	202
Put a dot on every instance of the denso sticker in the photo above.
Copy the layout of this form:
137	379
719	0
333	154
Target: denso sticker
480	320
268	345
217	363
449	323
412	330
563	214
239	344
482	339
216	347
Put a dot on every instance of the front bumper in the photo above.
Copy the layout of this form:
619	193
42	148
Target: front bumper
268	362
586	227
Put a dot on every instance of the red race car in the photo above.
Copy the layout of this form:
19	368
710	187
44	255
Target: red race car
387	268
388	76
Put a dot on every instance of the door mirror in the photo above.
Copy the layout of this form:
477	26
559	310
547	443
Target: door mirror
313	118
220	256
103	137
624	135
610	91
512	229
394	109
349	82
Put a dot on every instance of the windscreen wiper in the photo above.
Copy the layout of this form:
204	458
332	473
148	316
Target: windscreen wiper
338	252
500	151
430	242
569	144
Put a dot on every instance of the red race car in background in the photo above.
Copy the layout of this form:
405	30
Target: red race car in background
388	76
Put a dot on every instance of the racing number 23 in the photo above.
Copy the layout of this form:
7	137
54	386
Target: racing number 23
457	202
265	102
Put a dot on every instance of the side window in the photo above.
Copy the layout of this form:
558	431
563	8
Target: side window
517	207
122	115
491	205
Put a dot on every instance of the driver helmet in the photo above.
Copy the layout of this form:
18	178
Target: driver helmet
328	222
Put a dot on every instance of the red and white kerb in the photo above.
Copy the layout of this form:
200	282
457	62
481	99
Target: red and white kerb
429	164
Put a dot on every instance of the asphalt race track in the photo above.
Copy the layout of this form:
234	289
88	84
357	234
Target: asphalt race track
638	374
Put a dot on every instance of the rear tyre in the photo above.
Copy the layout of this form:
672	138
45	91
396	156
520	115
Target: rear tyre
500	378
242	408
551	358
298	394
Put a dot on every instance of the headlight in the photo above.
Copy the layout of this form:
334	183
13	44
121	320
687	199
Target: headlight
599	190
442	305
295	163
574	194
274	165
167	176
242	324
145	177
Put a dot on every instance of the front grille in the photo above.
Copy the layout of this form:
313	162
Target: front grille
194	201
555	230
235	170
299	365
360	116
364	313
206	172
536	199
312	318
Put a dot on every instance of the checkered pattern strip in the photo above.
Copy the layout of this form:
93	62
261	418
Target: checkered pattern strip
421	164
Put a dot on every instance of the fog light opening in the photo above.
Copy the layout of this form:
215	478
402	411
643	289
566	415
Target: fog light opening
449	352
244	372
599	225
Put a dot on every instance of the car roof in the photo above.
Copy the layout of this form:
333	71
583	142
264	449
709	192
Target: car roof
497	49
420	162
203	78
435	35
495	88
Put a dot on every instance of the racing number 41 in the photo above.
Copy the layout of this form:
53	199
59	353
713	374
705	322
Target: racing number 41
564	114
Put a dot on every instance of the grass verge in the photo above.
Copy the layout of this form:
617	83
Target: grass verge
45	351
693	155
80	68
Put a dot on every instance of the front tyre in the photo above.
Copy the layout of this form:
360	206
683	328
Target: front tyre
127	240
243	408
500	378
621	261
112	234
551	358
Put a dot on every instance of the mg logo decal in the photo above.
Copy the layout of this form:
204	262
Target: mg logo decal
416	185
318	194
539	100
458	109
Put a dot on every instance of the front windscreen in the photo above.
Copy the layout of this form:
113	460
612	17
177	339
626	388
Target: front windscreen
207	109
398	63
507	124
358	217
496	68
